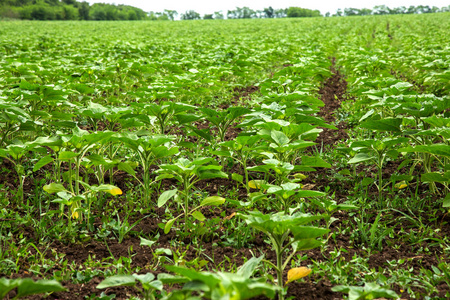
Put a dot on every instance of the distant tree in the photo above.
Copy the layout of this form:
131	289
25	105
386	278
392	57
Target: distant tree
171	13
190	15
241	13
218	15
280	13
351	11
338	13
69	2
83	10
365	11
70	13
152	16
381	10
423	9
162	16
298	12
208	17
411	10
327	14
269	12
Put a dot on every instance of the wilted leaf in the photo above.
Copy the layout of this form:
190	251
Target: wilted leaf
297	273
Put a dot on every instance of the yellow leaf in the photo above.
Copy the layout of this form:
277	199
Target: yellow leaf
75	215
115	191
401	185
255	184
300	176
297	273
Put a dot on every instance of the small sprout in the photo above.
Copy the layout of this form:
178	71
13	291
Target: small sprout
297	273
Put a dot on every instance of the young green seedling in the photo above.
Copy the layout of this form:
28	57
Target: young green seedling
286	233
369	291
376	151
74	201
148	149
220	285
148	282
188	173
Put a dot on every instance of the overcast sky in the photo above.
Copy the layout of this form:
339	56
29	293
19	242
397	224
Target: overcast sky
210	6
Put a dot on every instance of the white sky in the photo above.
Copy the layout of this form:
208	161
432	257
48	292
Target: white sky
210	6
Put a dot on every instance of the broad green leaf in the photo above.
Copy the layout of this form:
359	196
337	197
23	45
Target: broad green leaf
198	216
237	177
29	287
54	188
309	193
213	200
66	155
388	124
171	279
117	280
165	196
360	157
316	162
279	137
437	149
42	162
144	278
209	278
7	285
123	166
249	268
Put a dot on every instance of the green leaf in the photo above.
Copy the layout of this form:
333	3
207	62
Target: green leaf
144	278
66	155
164	197
360	157
237	177
54	188
29	287
117	280
42	162
198	216
316	162
387	124
437	149
126	167
145	242
433	177
446	201
247	269
279	137
171	279
7	285
309	193
168	225
213	200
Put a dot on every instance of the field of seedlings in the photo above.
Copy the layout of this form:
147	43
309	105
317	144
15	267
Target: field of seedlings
226	159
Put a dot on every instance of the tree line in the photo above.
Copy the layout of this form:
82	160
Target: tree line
74	10
68	10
